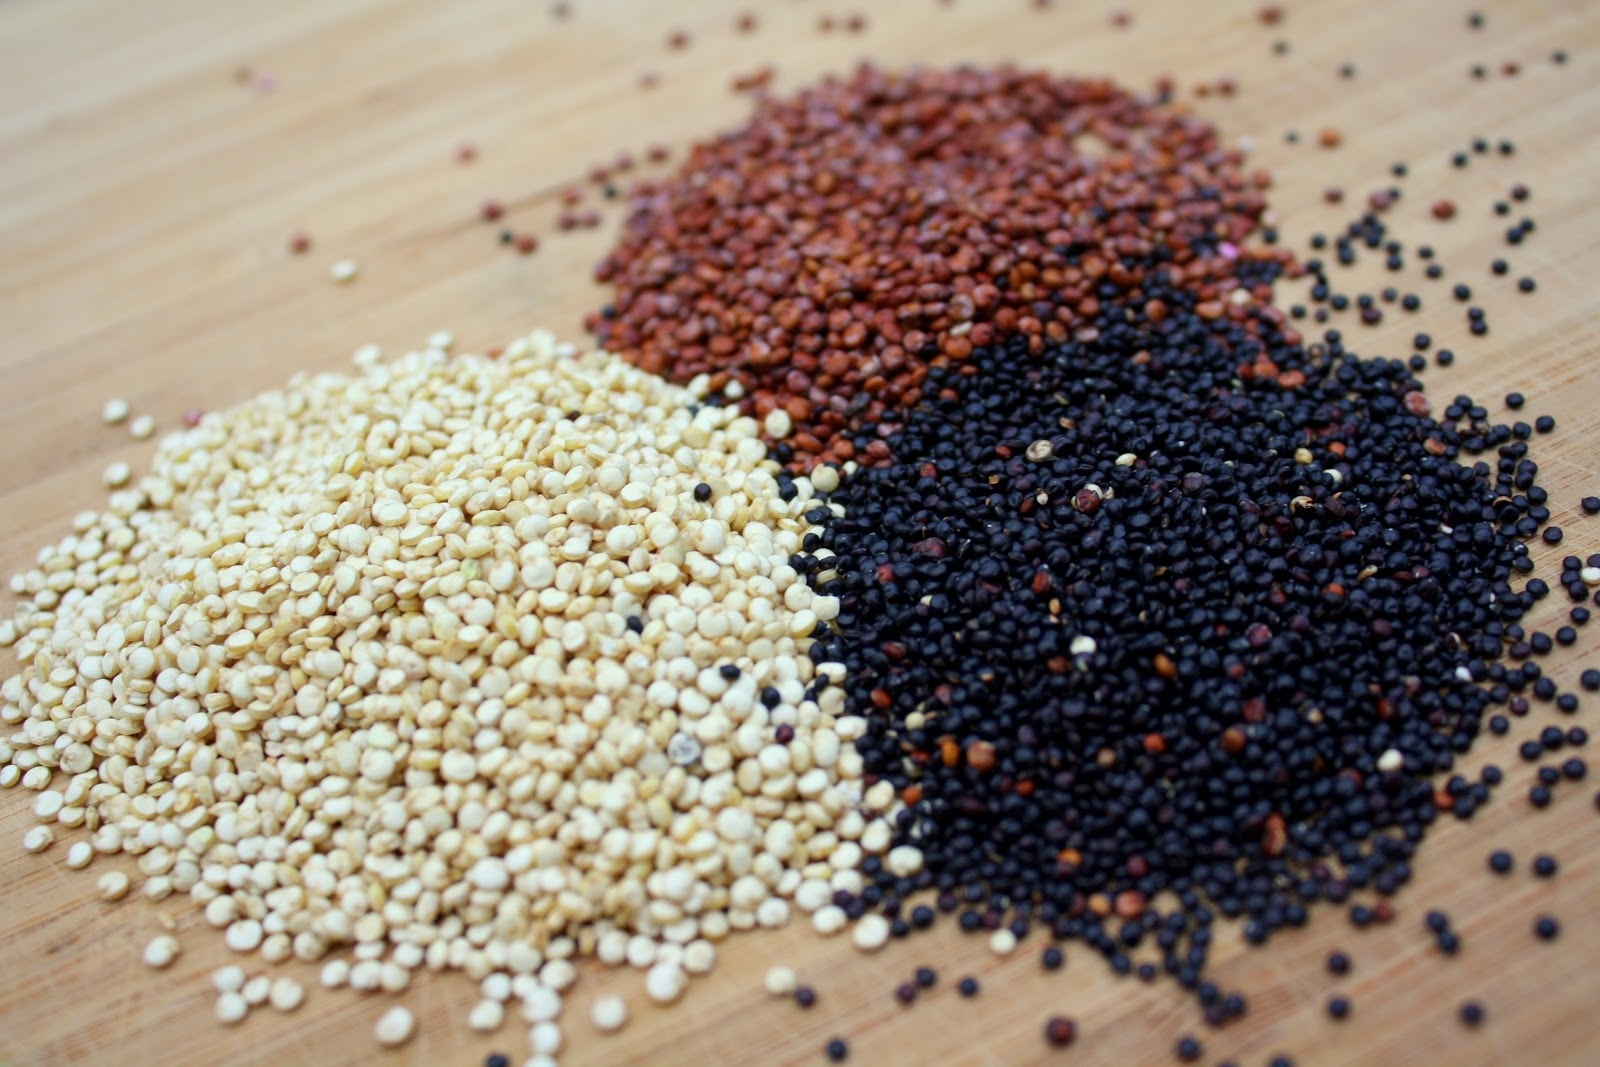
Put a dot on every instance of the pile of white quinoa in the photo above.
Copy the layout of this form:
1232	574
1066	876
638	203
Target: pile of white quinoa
459	663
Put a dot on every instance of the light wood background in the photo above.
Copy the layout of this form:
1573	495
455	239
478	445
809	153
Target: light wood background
147	197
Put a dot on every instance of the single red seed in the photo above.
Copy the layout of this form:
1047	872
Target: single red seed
192	417
1444	209
1060	1031
300	244
466	152
678	40
491	210
527	244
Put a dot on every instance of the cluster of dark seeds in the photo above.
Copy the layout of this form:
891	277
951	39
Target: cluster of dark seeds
1181	605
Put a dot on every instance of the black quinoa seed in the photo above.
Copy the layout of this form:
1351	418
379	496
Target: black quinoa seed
1545	866
497	1059
1472	1013
926	977
967	987
1546	928
1338	1007
1338	963
805	996
1500	861
1189	1049
837	1050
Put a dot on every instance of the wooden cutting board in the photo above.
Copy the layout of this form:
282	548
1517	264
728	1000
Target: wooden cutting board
156	157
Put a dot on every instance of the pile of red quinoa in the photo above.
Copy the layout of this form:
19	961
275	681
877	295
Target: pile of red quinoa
829	251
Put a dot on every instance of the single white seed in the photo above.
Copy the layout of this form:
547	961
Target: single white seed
545	1039
243	935
115	411
142	428
486	1016
394	1027
79	855
1392	760
161	951
665	983
1002	942
37	838
871	933
334	973
228	979
287	994
231	1008
781	981
609	1013
117	474
345	270
256	990
113	885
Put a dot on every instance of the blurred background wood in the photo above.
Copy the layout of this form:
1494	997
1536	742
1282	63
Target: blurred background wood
155	159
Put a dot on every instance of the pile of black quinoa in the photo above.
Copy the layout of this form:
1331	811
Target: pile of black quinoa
1180	605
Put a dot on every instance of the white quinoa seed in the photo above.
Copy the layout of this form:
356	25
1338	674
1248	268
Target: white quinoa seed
870	933
445	600
780	981
345	270
160	951
1002	942
394	1027
142	427
256	990
544	1039
115	410
608	1013
228	979
665	983
486	1016
231	1008
287	994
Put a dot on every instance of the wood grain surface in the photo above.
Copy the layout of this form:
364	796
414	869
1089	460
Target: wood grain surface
155	158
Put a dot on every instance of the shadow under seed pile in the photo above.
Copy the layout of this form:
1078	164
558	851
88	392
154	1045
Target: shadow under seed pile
1184	606
829	251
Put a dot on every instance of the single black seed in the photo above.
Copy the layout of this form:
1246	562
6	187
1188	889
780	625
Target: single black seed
967	987
1338	963
1545	866
1546	928
1472	1013
1526	285
837	1050
1189	1049
702	492
1338	1007
1500	861
805	996
497	1059
1052	958
926	977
